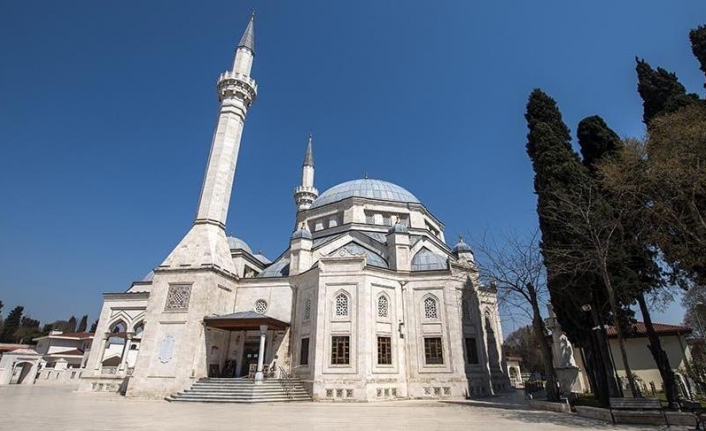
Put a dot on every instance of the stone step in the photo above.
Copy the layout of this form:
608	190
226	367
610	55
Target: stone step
242	391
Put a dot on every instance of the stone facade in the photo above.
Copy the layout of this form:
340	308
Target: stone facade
367	302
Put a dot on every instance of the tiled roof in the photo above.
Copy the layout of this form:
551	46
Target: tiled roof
639	330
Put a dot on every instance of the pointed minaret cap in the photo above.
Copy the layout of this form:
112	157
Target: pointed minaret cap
248	39
309	157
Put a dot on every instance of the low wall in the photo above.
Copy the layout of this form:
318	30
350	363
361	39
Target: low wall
49	376
636	417
561	407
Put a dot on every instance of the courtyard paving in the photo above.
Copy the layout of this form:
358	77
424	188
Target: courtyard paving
60	408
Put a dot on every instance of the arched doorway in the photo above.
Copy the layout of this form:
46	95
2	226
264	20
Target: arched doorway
21	372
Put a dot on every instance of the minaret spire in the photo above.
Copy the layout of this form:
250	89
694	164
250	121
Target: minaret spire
248	39
206	243
306	193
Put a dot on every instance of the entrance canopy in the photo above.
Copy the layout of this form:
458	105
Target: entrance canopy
244	321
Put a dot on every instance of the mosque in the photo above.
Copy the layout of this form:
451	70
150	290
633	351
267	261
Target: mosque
367	301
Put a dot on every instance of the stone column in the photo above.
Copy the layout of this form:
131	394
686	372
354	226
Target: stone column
126	349
259	376
104	347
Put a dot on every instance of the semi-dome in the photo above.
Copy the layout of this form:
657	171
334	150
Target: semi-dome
365	188
238	244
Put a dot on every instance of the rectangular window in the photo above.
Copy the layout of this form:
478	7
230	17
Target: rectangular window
433	353
304	352
471	351
384	351
340	351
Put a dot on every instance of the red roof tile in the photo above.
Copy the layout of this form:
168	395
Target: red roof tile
639	330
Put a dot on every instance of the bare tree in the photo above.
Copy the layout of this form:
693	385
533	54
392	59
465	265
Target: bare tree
517	269
593	230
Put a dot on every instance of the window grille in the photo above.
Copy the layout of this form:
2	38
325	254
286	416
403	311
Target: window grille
384	351
341	305
340	350
471	351
383	306
260	306
307	309
430	309
178	298
433	351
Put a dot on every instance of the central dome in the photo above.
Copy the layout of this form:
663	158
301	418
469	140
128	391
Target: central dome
365	188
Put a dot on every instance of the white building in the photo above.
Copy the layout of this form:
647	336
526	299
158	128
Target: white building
367	301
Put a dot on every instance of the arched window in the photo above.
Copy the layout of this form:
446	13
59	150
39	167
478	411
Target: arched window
118	327
383	306
341	305
430	309
138	329
307	309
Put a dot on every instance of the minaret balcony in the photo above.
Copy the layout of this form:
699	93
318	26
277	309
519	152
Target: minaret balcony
238	85
302	190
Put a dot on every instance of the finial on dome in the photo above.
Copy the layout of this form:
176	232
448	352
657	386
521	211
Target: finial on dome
365	175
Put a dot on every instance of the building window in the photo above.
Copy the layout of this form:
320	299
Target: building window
384	351
340	350
304	352
433	352
383	306
471	351
307	309
465	310
260	306
342	305
430	309
178	297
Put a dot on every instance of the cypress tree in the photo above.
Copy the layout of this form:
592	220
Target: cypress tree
558	170
698	45
596	140
11	324
94	325
72	324
83	324
660	90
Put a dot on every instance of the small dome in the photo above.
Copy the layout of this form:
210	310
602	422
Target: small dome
398	228
365	188
238	244
149	276
262	258
426	260
302	232
461	246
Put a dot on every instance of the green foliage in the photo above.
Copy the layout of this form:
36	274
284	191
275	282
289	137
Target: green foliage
523	343
596	140
71	327
660	90
11	324
698	45
94	325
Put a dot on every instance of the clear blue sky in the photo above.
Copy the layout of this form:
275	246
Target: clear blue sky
107	111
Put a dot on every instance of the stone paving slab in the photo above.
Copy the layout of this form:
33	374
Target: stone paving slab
59	408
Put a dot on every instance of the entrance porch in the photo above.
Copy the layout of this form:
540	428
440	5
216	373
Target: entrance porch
246	344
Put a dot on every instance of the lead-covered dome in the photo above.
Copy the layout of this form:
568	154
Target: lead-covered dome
365	188
238	244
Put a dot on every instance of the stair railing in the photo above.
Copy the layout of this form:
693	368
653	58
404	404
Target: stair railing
285	380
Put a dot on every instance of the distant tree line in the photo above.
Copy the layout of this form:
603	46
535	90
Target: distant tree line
625	221
23	329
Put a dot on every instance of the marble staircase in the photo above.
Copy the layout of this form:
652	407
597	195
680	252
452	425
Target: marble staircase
214	390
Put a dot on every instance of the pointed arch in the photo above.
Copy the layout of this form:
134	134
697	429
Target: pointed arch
430	307
341	304
117	326
383	305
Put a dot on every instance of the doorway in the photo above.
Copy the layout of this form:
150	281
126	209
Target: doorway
250	353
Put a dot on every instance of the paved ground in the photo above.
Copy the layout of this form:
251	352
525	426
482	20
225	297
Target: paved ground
58	408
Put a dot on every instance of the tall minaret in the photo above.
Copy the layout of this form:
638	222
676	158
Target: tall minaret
306	193
206	243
